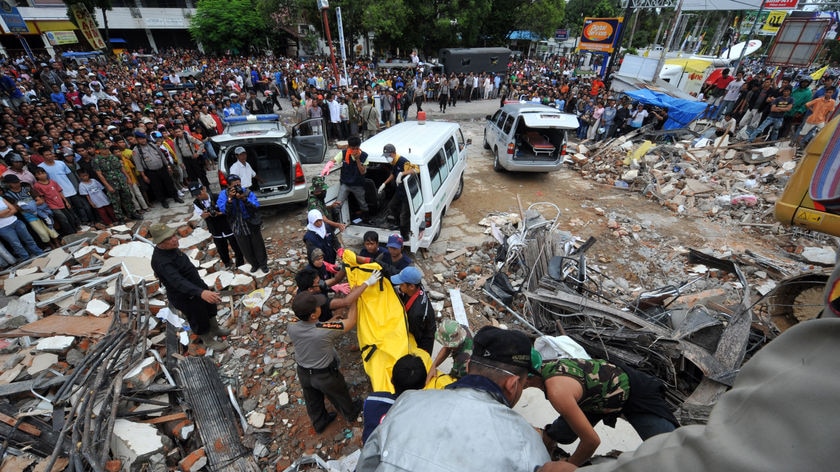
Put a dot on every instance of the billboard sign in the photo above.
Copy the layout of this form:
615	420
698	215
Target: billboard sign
599	34
57	38
10	18
780	4
561	34
87	25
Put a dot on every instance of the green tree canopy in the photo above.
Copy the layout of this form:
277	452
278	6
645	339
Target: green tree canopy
220	25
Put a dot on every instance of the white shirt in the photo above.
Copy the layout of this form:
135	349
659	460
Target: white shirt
244	171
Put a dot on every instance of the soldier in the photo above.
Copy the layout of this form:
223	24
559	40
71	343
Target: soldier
317	193
587	391
111	172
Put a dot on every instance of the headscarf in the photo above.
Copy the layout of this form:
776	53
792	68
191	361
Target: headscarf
312	217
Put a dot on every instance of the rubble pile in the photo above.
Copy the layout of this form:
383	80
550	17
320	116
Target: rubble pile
736	183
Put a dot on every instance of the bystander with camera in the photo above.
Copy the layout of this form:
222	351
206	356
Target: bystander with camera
242	209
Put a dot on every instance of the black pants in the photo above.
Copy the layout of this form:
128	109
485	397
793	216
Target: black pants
161	184
253	247
196	171
68	222
222	244
197	311
82	209
329	383
398	208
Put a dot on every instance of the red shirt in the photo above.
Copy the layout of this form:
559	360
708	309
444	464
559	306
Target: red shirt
51	192
722	81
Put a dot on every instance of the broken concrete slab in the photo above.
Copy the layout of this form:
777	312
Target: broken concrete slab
134	269
134	442
42	362
132	249
97	307
198	236
57	344
820	255
256	419
13	284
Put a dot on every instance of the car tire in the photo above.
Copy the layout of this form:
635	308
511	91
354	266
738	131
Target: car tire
486	144
497	164
460	188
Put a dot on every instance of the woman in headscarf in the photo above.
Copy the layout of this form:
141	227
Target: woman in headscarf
318	237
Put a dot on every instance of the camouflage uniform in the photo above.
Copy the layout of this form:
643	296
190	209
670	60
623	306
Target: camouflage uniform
111	167
605	387
316	200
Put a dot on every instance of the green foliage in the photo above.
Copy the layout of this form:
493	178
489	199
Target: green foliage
542	17
832	51
228	24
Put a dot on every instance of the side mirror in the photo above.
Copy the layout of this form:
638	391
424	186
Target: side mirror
469	141
489	117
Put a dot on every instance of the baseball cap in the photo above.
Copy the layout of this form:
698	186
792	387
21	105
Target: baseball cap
305	304
233	177
13	157
111	127
140	134
160	232
11	179
195	189
395	241
409	275
389	148
506	347
239	150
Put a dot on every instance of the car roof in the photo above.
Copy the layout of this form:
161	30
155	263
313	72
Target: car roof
541	116
415	140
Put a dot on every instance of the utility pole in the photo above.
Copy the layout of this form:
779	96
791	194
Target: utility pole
324	5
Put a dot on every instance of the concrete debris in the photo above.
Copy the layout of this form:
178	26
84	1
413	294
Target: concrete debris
134	442
56	344
725	182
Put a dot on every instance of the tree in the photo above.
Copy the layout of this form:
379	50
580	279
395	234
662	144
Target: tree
92	5
541	17
220	25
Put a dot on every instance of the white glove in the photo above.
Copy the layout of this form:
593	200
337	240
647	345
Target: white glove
374	277
399	178
381	188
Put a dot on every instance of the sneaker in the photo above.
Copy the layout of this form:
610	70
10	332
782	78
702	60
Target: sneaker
265	269
180	193
254	269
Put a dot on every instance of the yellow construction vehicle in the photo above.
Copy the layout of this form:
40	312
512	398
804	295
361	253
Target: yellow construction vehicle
809	201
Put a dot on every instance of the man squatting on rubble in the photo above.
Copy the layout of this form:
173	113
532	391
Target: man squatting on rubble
185	289
317	359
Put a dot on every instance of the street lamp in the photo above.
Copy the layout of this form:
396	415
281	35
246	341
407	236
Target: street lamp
324	5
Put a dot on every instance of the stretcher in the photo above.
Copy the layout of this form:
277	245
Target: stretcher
539	144
382	327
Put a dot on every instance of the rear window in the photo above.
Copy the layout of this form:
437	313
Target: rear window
508	124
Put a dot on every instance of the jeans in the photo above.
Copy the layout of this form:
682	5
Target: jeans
6	257
19	239
776	122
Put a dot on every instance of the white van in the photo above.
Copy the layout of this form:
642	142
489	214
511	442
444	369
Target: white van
440	150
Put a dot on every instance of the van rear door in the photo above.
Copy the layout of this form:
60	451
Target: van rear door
309	141
415	206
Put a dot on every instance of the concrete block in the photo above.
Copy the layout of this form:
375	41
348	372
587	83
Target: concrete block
13	284
142	375
134	442
256	419
785	154
57	344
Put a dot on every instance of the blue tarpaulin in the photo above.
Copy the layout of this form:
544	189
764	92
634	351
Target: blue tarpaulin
681	112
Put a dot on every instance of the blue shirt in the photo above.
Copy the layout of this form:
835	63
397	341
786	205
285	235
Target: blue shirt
59	172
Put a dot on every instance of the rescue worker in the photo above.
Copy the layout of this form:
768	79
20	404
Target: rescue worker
418	308
398	209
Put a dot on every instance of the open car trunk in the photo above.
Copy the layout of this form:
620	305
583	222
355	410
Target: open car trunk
539	144
271	162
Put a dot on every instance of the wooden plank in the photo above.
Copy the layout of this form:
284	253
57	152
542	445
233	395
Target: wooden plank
454	255
91	326
26	428
166	419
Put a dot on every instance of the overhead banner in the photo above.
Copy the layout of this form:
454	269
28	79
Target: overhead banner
87	25
57	38
10	18
599	34
780	4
